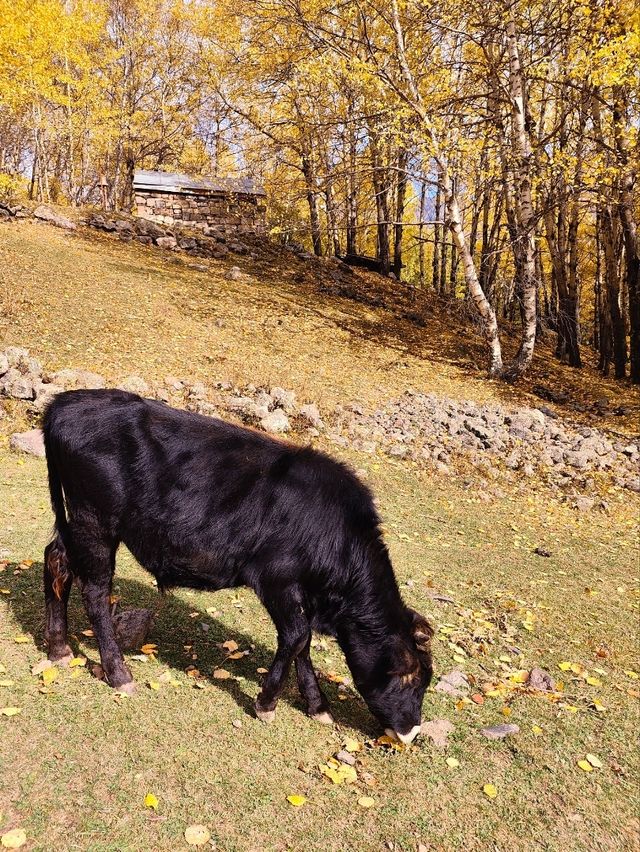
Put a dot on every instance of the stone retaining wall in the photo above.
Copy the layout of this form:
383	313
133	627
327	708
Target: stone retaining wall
229	212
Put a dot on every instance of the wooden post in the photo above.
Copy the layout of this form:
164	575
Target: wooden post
104	190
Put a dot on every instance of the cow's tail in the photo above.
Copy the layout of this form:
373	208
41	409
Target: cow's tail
56	557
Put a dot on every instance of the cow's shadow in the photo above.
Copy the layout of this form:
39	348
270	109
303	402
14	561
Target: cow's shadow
178	633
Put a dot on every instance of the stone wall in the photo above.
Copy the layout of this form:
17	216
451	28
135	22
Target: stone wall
228	212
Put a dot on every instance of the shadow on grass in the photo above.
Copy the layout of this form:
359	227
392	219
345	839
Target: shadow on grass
175	626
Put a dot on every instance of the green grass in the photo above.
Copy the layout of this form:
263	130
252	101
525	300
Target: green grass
77	763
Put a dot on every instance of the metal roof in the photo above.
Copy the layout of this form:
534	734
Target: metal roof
172	182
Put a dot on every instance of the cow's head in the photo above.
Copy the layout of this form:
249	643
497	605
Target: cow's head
398	680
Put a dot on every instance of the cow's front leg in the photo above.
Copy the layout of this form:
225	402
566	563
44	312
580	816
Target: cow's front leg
316	701
294	634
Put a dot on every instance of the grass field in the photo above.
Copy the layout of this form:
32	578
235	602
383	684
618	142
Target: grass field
77	761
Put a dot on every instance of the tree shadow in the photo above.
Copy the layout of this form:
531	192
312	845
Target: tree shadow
178	634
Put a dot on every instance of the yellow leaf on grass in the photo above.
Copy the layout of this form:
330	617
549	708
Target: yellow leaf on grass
197	835
262	670
14	839
585	765
593	681
221	674
49	675
149	648
151	801
296	800
459	658
230	645
490	791
452	763
537	730
520	677
88	632
10	711
576	668
154	684
564	666
340	773
21	640
77	661
237	655
528	625
633	675
598	706
366	802
351	745
6	682
594	761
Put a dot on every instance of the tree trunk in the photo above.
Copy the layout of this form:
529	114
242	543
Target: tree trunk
312	200
401	192
437	231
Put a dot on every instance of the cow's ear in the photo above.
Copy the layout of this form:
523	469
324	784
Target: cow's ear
422	631
406	664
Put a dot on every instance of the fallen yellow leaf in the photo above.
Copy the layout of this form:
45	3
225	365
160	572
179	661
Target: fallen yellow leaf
564	666
537	730
197	835
6	682
154	684
366	802
49	675
351	745
151	801
221	674
10	711
594	761
21	639
230	645
149	648
490	791
585	765
296	800
14	839
77	661
452	763
593	681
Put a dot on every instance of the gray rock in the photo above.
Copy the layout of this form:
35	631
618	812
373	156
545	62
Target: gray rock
72	379
233	274
346	757
44	393
541	680
173	383
584	504
135	384
283	398
4	364
276	421
30	442
311	414
454	683
16	386
242	405
46	214
398	450
499	732
438	731
166	242
16	355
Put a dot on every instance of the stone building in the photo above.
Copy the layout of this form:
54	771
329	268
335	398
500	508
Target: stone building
230	205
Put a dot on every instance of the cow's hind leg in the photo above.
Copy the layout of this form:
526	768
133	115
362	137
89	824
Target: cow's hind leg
294	635
57	585
95	558
316	701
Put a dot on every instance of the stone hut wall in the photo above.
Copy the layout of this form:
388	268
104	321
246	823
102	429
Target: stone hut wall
228	212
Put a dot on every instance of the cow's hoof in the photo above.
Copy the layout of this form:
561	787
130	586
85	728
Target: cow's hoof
127	688
61	656
265	715
325	718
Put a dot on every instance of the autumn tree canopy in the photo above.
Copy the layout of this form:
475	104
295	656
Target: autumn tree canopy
485	151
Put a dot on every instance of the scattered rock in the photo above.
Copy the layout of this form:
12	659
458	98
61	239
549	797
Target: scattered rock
311	414
31	442
132	628
346	757
135	384
276	421
499	732
233	274
166	242
541	680
46	214
44	393
283	398
438	731
540	551
455	683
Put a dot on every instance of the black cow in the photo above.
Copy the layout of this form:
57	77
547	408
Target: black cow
209	505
